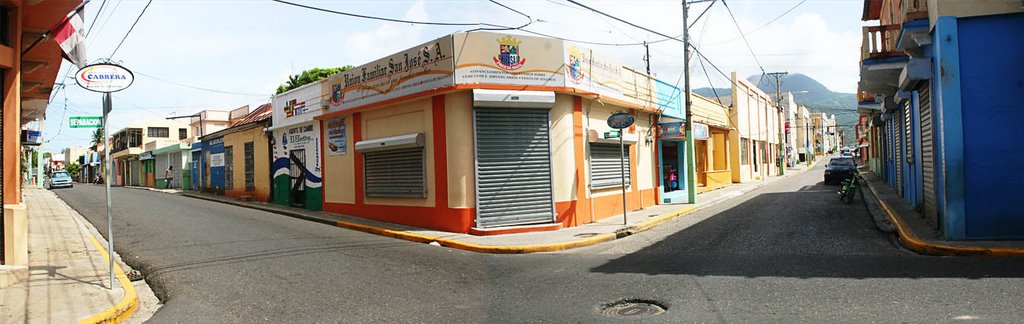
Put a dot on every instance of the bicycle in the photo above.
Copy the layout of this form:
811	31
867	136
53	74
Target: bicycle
849	188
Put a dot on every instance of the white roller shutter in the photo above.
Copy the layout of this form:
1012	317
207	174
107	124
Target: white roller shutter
606	166
513	167
395	173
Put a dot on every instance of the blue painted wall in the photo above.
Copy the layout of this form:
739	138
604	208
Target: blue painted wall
670	99
197	165
992	84
216	146
918	185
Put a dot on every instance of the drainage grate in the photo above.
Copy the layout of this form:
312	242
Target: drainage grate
586	235
633	308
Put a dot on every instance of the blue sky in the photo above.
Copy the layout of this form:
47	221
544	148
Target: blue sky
248	47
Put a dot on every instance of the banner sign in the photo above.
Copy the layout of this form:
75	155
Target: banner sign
148	155
701	131
671	130
85	122
31	137
494	58
421	68
104	77
592	72
336	141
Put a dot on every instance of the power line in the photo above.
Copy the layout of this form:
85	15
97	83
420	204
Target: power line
738	29
112	11
95	18
767	23
199	88
131	28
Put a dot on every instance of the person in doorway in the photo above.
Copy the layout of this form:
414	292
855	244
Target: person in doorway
169	175
673	178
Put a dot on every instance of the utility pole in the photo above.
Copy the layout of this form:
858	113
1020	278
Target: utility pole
691	173
778	105
647	57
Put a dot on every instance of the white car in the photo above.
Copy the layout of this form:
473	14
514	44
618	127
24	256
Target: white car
59	179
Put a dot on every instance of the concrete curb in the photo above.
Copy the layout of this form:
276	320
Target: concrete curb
126	306
911	241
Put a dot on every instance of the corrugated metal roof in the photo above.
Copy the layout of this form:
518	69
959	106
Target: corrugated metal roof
262	112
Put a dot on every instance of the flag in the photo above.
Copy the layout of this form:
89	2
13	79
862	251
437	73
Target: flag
70	34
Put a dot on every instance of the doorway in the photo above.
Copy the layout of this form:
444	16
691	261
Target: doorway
297	173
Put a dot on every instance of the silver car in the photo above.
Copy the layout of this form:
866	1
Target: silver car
59	179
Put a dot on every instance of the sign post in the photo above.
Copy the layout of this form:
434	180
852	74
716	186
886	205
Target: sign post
106	78
619	121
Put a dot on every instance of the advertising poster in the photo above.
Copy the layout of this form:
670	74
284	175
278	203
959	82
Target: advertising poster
336	141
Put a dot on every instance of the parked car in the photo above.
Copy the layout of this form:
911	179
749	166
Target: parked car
839	169
59	179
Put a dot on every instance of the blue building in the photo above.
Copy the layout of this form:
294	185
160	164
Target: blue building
942	85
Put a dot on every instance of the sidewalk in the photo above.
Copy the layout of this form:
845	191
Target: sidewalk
567	238
67	276
919	236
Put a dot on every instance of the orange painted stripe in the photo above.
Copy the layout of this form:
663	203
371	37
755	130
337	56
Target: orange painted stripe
582	206
357	162
440	152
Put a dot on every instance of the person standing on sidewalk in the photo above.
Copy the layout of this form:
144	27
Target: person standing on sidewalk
169	175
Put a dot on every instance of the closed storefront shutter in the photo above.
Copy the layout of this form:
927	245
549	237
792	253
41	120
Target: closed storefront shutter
229	168
605	165
928	154
898	153
395	173
513	167
176	163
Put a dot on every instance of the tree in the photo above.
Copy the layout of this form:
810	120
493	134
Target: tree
73	169
97	136
309	76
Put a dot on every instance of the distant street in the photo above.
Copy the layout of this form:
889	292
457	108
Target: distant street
787	252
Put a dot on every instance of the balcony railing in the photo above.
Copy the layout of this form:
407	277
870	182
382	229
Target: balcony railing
880	42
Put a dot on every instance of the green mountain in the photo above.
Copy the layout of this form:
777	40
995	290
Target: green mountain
807	92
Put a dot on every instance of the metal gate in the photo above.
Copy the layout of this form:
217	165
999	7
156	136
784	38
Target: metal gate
898	149
134	170
297	171
513	167
928	154
177	172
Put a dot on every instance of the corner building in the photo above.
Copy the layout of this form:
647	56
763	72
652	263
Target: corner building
487	133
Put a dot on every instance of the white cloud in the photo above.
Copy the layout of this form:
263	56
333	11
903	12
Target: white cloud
388	38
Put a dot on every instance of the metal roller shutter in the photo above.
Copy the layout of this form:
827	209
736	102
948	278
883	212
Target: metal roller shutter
176	163
605	166
395	173
513	169
928	154
898	153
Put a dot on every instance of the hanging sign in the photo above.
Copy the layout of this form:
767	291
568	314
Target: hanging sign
620	120
104	77
701	131
336	142
85	122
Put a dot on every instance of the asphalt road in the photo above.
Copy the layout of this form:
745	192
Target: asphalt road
786	252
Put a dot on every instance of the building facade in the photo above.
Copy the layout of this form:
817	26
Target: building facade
756	119
297	143
938	100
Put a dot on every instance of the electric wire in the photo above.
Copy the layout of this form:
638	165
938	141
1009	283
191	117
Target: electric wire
130	29
751	49
199	88
95	18
765	24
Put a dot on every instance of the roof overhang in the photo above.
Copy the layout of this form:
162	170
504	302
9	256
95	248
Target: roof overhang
42	63
913	34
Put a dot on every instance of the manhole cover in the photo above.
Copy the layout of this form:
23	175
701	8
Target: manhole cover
632	308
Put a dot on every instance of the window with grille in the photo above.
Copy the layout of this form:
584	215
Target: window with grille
250	177
158	132
744	151
606	165
182	133
395	173
229	168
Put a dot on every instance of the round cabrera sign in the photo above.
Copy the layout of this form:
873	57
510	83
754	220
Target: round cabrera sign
104	77
620	120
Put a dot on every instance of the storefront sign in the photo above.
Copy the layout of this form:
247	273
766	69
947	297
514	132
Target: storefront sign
701	131
672	130
104	77
421	68
217	160
85	122
299	105
591	72
146	156
31	137
620	120
336	141
494	58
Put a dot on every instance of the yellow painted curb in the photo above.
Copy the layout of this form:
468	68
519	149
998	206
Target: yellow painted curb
513	249
126	306
911	241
